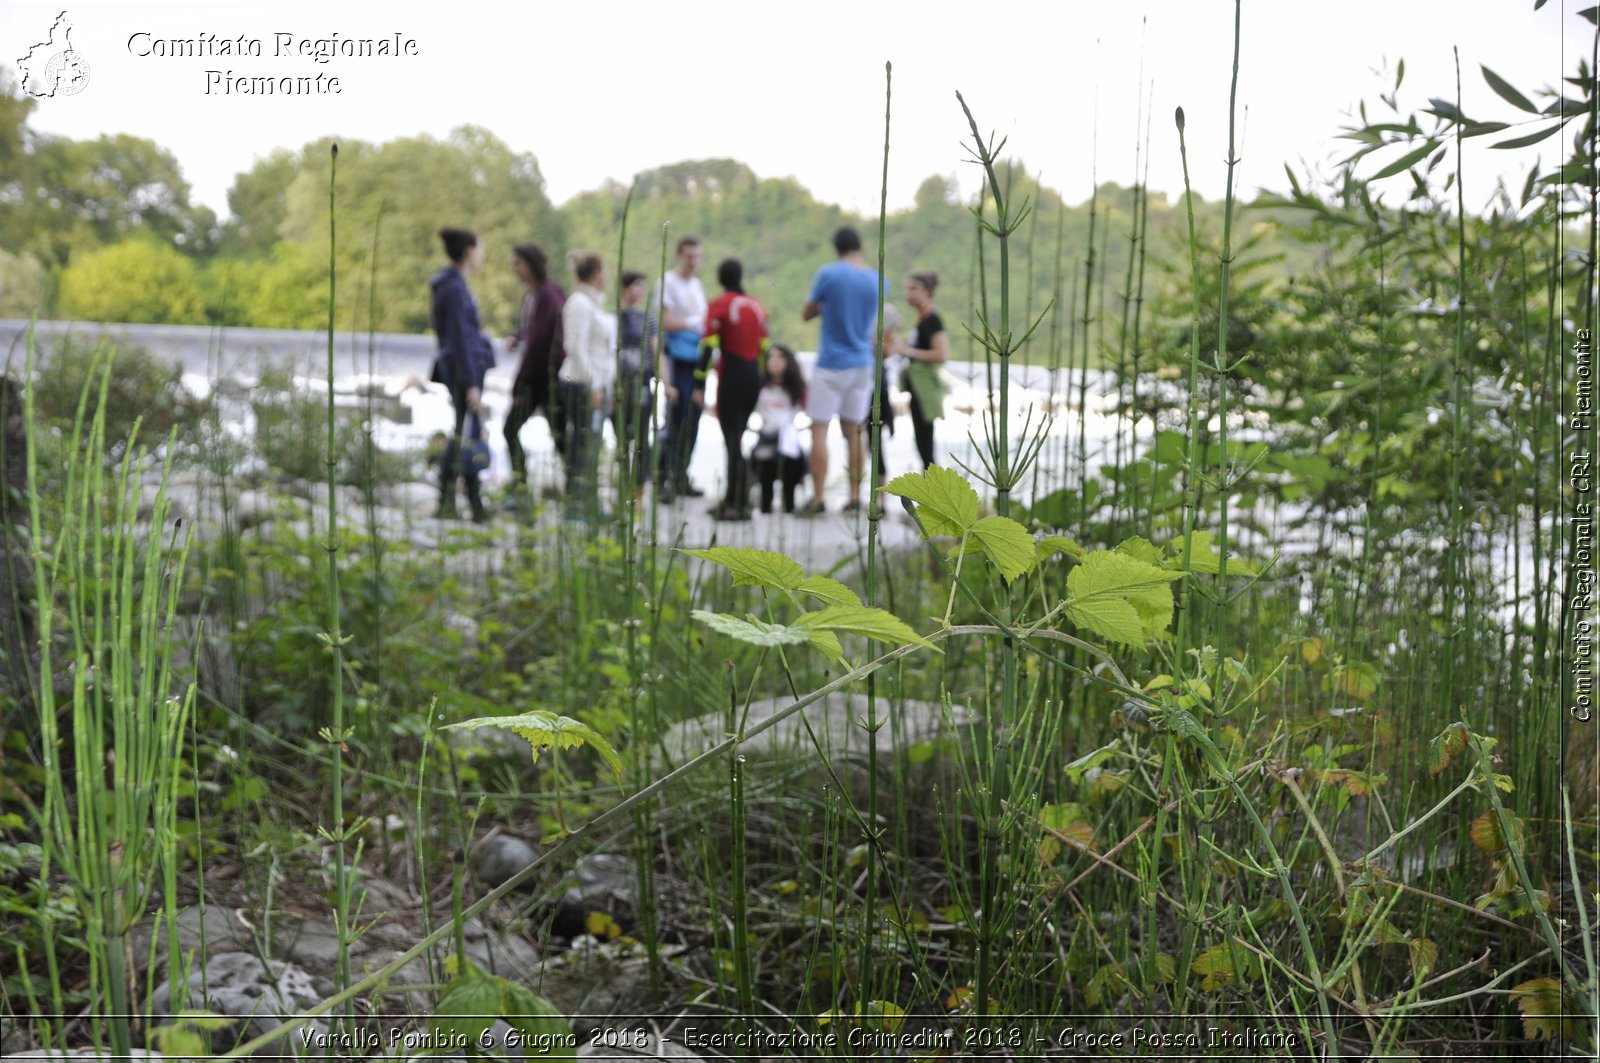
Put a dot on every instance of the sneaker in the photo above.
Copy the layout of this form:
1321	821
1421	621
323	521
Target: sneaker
731	513
691	491
812	508
853	506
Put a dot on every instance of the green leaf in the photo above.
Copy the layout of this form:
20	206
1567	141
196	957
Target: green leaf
1354	679
1007	545
1406	161
947	504
1506	91
1050	545
866	621
1545	1011
827	644
546	1034
1225	963
546	730
750	567
1113	619
1203	557
467	1007
1530	139
1141	549
1089	760
755	632
1119	597
828	590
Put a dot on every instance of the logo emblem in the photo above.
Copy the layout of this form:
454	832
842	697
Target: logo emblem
53	67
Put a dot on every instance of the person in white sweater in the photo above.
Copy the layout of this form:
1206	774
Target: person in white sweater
590	338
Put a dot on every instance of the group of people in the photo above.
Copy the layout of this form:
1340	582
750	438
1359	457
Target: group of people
579	364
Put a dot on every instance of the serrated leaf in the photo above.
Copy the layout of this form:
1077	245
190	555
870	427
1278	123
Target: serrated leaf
1113	619
1486	834
1119	597
755	632
869	622
1006	544
546	730
1406	161
947	504
1506	91
751	567
1545	1013
546	1034
1141	549
828	590
1449	744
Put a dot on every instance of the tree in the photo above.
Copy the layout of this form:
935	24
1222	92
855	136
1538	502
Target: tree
137	280
403	192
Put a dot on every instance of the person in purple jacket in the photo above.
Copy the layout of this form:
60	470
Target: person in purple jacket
465	356
538	340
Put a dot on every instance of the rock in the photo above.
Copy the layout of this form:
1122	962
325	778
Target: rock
213	930
240	985
502	856
614	1044
919	729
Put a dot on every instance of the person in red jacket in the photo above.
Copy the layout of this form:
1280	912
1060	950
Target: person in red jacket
737	326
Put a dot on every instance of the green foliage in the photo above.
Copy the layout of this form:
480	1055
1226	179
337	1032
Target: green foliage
546	730
137	280
1118	597
143	390
473	1000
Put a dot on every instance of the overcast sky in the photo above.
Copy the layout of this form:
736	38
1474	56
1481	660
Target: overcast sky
598	90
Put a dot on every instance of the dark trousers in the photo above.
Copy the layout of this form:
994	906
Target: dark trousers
923	427
582	450
769	470
529	397
683	427
738	384
450	468
630	419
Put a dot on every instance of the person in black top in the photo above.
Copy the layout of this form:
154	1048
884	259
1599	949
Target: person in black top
464	357
928	348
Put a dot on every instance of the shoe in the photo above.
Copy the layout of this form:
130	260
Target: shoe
812	508
853	506
691	491
550	493
446	511
731	513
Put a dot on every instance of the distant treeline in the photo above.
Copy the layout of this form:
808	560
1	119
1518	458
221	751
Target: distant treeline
106	230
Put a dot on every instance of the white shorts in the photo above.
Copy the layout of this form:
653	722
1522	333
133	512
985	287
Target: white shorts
842	393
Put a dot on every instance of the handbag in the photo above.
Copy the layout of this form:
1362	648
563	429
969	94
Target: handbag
474	451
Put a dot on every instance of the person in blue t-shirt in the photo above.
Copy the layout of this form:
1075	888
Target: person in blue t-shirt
845	294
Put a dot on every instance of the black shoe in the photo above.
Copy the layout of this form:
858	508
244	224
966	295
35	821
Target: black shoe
813	508
731	513
853	506
691	491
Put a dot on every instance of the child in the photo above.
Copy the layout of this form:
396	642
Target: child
777	453
630	416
